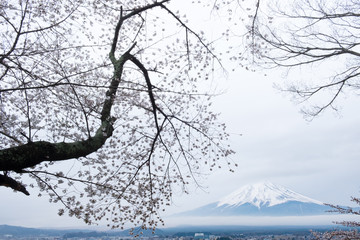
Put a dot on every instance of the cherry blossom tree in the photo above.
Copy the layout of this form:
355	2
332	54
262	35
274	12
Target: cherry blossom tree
352	226
104	106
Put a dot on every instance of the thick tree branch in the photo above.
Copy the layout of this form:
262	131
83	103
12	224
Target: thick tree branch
7	181
33	153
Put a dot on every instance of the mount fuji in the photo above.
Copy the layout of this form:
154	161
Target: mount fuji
261	199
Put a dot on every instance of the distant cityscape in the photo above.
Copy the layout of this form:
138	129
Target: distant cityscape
211	237
184	233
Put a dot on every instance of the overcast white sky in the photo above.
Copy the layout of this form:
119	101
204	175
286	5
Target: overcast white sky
319	159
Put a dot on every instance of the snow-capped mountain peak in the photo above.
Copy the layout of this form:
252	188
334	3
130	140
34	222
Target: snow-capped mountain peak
264	194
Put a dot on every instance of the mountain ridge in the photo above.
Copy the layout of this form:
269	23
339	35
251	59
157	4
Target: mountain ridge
261	199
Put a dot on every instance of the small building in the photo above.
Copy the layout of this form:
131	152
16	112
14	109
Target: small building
199	236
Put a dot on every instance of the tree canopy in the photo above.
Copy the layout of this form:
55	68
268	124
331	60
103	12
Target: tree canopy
312	35
116	88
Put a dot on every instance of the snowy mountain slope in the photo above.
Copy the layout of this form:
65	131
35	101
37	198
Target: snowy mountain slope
264	194
261	199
